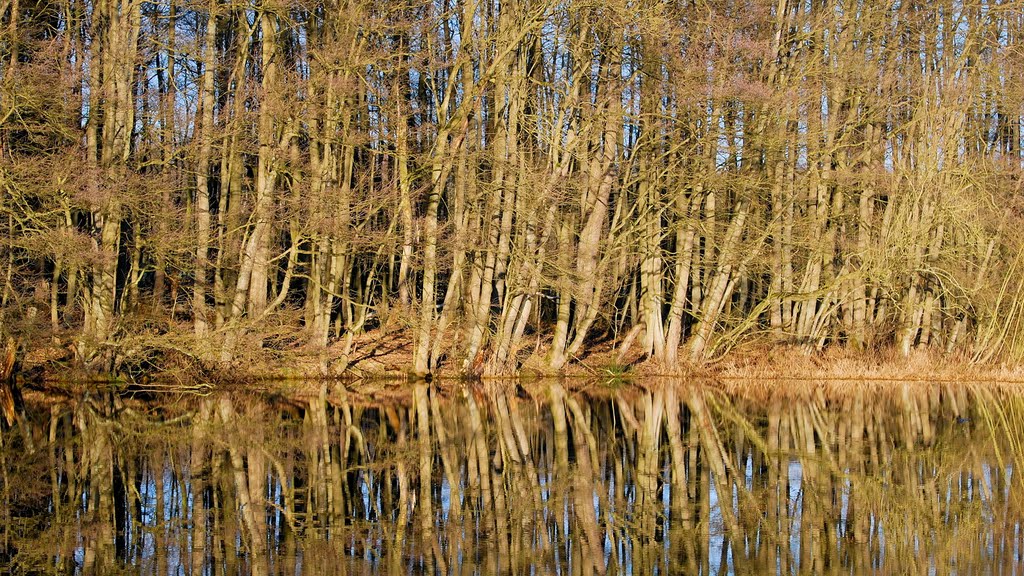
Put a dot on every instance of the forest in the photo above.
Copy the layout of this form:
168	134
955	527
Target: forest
503	182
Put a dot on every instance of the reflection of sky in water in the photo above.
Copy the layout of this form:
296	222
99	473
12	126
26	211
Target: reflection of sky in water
796	478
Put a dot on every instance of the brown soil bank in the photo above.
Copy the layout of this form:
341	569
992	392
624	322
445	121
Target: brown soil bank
377	355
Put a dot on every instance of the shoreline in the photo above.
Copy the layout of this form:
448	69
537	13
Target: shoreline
745	366
377	391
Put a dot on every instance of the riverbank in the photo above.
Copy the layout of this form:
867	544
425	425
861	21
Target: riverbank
388	356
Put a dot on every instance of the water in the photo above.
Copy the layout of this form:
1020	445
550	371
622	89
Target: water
667	478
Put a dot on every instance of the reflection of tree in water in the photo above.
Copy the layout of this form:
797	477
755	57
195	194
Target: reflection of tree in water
671	479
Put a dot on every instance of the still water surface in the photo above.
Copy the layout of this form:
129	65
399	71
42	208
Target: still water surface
670	478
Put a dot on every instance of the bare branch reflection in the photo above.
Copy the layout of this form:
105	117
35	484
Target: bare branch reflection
487	479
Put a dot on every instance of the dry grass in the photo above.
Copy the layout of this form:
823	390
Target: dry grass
838	364
387	355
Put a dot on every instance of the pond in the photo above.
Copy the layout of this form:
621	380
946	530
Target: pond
663	477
